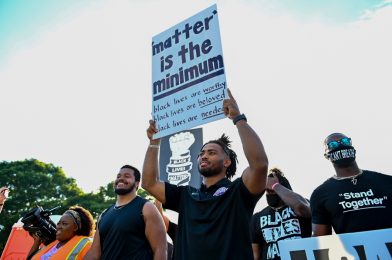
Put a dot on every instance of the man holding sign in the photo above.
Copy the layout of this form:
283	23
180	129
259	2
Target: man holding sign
214	219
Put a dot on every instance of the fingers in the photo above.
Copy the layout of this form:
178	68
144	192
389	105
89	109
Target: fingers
153	126
226	106
152	129
230	107
230	95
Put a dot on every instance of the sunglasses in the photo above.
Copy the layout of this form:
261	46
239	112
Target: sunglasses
346	141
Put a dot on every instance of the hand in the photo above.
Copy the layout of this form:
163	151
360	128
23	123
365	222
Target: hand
37	239
270	182
151	130
230	106
3	194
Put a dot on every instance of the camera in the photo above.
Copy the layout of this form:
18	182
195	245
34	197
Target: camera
38	222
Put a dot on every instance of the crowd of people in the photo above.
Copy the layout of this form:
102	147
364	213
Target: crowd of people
216	221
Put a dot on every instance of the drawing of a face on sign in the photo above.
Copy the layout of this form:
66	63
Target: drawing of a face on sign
179	168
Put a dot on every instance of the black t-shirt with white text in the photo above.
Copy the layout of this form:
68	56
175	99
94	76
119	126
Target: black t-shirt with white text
350	206
213	222
270	226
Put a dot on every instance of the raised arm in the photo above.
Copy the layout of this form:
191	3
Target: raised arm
254	176
295	201
3	197
150	175
155	231
95	251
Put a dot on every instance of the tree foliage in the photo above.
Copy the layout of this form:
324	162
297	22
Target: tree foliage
33	183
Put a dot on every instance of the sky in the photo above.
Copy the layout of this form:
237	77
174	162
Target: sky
75	81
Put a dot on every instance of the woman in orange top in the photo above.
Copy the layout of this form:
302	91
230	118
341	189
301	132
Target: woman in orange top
73	237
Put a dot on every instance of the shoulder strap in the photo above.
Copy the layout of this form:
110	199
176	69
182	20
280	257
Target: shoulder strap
101	215
73	254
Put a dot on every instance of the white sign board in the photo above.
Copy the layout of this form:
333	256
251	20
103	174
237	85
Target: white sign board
375	244
188	80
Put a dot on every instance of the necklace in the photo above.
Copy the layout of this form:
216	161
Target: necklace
119	207
353	178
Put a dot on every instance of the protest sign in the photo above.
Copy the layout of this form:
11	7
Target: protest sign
178	158
188	80
375	244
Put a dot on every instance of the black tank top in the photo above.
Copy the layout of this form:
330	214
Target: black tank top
122	232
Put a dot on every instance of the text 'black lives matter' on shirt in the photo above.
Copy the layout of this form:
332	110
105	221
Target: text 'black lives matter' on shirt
270	226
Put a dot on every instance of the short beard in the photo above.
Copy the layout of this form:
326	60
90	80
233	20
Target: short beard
209	172
124	191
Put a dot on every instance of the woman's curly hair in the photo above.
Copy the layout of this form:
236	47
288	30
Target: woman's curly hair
87	225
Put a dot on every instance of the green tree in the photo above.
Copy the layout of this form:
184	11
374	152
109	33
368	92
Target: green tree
103	199
95	202
144	194
33	183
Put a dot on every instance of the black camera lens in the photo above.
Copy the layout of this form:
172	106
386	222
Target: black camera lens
38	222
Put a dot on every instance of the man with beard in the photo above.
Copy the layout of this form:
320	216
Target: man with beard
353	200
132	228
287	216
214	219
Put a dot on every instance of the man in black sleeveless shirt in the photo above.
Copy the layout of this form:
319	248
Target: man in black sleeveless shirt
353	200
213	220
132	228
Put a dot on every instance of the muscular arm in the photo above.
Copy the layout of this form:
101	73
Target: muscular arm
155	231
295	201
150	175
95	251
254	176
321	230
